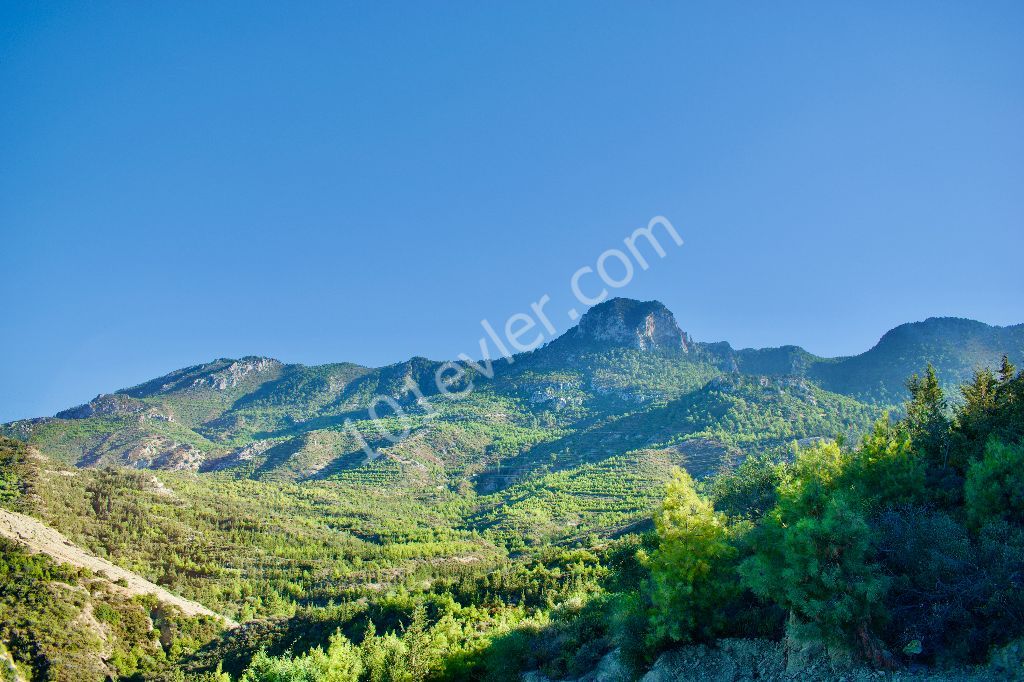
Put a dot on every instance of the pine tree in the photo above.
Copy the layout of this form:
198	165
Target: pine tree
693	571
980	394
926	394
1006	371
995	485
418	661
813	552
926	420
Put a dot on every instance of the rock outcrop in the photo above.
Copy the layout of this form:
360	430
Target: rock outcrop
160	452
236	372
105	405
644	325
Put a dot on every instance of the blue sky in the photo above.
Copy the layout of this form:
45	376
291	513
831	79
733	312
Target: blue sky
366	182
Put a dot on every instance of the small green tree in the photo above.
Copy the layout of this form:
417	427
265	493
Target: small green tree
421	656
340	663
884	471
383	656
1006	371
926	420
980	394
813	551
693	570
747	491
995	485
343	660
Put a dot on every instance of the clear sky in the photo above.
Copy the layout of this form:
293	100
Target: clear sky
365	182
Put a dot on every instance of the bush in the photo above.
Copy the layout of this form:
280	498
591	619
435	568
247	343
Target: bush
749	491
628	625
1001	563
936	583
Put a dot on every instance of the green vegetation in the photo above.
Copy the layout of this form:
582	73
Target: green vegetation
861	553
16	475
61	623
591	498
847	546
693	571
954	346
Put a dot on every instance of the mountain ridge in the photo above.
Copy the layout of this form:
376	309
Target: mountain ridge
622	364
225	372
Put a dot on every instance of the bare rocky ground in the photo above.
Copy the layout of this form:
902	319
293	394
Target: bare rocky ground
38	537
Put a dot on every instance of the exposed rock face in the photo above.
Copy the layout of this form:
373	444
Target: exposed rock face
235	457
645	325
109	405
735	659
160	452
236	372
116	405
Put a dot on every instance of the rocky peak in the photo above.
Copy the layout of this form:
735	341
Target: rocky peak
116	405
105	405
645	325
233	372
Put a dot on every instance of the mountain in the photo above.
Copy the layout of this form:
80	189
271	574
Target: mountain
644	325
627	377
955	346
243	484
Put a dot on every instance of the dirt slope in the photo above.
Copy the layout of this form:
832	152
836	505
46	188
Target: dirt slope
37	537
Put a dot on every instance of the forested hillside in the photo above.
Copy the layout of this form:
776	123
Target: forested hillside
625	378
614	495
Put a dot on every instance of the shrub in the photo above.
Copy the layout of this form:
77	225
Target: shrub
936	583
628	625
748	491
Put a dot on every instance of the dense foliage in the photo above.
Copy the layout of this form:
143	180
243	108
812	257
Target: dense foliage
61	623
908	547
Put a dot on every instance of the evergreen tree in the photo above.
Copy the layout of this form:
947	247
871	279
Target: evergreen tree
926	420
980	394
995	485
813	553
693	577
1006	371
420	656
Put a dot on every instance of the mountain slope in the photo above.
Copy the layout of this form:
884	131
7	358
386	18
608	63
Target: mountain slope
38	538
624	363
955	346
266	507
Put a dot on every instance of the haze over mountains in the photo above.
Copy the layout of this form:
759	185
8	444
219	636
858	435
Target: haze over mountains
625	379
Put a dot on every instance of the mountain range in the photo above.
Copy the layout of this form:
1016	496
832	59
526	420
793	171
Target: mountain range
512	494
626	379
